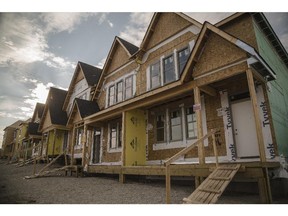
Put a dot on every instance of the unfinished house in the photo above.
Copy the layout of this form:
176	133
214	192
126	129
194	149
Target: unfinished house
192	100
77	104
53	124
9	139
34	136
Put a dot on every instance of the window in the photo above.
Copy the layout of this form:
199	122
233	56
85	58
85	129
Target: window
169	69
119	90
182	59
128	87
160	127
111	95
191	123
176	125
115	135
155	75
79	134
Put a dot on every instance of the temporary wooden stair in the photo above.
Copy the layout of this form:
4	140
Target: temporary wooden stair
214	185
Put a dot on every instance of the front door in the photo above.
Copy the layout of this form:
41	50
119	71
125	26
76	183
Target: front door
244	129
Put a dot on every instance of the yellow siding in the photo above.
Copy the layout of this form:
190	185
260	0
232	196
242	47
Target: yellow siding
135	138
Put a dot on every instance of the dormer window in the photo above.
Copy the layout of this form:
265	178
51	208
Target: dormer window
155	75
119	89
128	87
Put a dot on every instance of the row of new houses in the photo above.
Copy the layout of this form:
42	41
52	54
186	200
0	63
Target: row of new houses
149	102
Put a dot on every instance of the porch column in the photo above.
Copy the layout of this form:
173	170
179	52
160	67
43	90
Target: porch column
256	114
54	140
72	146
197	100
84	141
123	156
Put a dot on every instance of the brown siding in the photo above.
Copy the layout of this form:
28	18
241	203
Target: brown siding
167	25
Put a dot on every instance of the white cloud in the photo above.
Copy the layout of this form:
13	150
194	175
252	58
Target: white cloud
110	23
135	30
101	63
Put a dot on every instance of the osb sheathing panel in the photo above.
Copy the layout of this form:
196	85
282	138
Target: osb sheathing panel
106	156
47	120
80	76
222	74
76	117
168	24
242	28
164	50
213	121
119	58
217	52
128	69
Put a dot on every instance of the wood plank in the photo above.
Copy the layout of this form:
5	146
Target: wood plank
197	100
256	114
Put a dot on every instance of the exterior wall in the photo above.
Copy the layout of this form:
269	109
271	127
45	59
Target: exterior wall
8	138
106	155
112	79
80	88
167	25
243	29
277	91
218	52
47	122
58	147
213	121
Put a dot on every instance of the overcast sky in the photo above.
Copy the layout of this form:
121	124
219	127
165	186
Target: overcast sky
40	50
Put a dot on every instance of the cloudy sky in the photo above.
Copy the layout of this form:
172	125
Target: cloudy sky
40	50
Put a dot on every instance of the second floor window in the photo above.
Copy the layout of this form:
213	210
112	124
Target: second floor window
128	87
155	75
111	95
119	96
169	69
182	59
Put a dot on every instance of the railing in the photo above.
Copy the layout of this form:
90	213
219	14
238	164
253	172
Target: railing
184	151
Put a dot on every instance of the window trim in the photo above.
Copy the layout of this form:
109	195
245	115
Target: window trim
119	132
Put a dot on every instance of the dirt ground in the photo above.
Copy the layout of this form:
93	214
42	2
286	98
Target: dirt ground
60	189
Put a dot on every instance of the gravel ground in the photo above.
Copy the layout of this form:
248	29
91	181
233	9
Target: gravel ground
60	189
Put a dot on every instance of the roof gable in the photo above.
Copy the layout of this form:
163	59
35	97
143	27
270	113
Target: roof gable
83	70
53	107
163	26
81	109
38	112
201	42
120	53
33	129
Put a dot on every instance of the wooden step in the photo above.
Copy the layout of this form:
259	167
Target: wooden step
220	178
210	190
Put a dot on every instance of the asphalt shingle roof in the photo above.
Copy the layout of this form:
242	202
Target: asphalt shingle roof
130	47
86	108
91	73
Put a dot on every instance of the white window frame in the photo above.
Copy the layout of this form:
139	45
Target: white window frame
118	136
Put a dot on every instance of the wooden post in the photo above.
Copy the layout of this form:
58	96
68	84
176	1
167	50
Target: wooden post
256	114
54	140
168	185
197	100
84	141
121	175
197	182
47	146
215	149
72	146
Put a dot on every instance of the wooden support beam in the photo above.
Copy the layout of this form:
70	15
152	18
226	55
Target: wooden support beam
208	90
72	146
256	114
197	101
123	156
168	185
84	142
54	140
